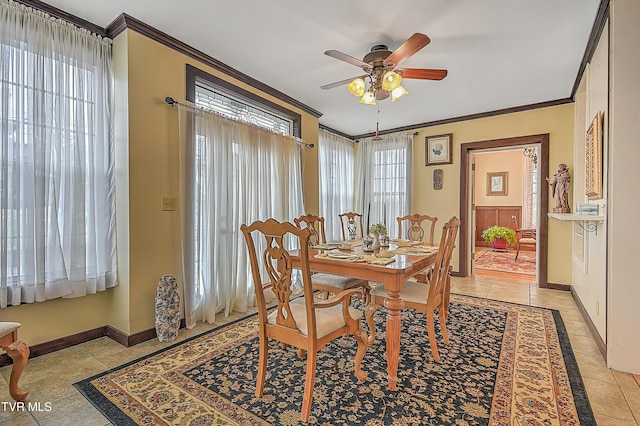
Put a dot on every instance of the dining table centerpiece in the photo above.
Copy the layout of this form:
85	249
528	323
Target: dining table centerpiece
377	230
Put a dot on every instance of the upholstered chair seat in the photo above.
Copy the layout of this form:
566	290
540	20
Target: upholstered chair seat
327	320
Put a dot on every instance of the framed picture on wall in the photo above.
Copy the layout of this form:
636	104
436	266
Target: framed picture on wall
593	158
497	183
438	149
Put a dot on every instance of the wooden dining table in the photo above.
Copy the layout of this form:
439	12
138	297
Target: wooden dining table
392	275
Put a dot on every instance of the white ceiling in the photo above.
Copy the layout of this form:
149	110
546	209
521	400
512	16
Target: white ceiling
499	53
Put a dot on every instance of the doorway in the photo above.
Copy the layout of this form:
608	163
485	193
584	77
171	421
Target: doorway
466	212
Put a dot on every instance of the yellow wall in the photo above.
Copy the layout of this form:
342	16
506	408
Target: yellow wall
147	168
156	71
147	141
311	187
42	322
557	121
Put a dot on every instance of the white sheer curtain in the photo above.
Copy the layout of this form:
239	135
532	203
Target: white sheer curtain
233	173
335	160
383	179
57	222
529	193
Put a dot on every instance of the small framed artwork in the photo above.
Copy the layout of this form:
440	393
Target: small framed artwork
497	183
593	159
438	149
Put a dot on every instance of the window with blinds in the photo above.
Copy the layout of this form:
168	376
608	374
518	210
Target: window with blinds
236	109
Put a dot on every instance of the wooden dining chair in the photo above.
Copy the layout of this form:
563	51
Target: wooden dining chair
415	232
328	283
303	322
414	229
351	226
425	298
523	236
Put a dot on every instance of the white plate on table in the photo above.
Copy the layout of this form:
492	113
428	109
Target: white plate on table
342	255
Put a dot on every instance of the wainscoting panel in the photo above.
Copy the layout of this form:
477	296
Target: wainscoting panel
487	216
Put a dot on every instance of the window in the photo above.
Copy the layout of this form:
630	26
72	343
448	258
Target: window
530	191
57	232
390	179
335	160
240	166
231	101
215	101
385	165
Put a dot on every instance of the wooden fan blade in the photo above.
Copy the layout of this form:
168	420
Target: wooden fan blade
422	74
349	59
340	83
408	48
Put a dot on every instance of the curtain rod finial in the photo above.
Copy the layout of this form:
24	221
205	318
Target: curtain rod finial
169	100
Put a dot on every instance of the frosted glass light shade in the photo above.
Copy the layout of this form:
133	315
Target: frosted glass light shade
398	93
356	87
391	80
368	98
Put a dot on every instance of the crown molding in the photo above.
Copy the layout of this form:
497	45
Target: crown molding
125	21
596	31
503	111
337	132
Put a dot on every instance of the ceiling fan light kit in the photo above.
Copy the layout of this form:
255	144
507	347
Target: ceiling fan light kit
398	93
380	66
368	98
391	80
356	87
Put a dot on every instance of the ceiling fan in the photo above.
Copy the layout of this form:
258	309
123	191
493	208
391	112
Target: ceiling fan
380	68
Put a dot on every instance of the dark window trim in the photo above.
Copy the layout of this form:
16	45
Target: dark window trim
195	74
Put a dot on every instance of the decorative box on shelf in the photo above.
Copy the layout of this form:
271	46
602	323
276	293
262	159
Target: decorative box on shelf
587	209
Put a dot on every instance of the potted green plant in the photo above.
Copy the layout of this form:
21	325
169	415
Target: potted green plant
499	237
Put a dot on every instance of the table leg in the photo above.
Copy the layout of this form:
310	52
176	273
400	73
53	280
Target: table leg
394	304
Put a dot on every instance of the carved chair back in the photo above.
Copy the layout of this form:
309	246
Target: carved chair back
351	226
414	229
315	224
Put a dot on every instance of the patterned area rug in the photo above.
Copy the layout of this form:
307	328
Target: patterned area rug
488	259
506	364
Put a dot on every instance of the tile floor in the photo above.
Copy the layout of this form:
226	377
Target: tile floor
614	396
